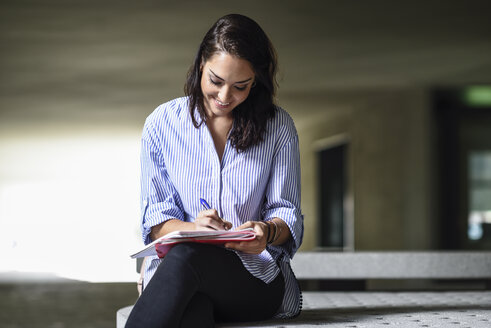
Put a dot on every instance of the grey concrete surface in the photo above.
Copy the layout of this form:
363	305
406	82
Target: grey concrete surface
395	308
63	304
383	309
392	265
114	61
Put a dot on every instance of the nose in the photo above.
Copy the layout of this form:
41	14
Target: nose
225	94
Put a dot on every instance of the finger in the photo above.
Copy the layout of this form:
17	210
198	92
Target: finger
221	224
251	247
231	245
227	224
216	224
246	225
238	246
210	222
211	213
259	229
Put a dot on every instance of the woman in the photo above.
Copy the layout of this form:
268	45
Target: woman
228	143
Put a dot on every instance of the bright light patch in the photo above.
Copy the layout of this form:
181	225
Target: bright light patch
478	96
69	205
479	194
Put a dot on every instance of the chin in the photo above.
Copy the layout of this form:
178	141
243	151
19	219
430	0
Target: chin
217	109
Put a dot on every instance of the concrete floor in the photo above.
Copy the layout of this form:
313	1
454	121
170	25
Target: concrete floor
462	309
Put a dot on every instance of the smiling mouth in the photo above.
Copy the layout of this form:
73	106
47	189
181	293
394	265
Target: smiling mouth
221	104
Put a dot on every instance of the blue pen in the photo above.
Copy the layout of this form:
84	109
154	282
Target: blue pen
208	207
205	204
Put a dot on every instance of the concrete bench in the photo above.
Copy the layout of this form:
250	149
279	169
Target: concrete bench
367	308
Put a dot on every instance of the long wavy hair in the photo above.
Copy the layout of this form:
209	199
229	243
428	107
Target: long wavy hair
242	37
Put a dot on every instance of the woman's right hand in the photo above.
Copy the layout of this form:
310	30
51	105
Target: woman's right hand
209	220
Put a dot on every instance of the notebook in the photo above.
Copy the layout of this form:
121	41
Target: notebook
162	245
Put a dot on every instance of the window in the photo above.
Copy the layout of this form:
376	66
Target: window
479	219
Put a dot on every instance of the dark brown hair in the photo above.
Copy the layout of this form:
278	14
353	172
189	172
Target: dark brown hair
242	37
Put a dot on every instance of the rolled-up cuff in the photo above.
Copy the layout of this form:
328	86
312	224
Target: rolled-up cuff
294	221
156	216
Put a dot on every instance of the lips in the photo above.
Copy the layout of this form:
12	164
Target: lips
221	105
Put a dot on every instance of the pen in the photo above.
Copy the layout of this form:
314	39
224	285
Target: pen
227	225
205	204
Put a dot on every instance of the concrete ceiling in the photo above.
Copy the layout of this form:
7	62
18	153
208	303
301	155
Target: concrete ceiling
92	61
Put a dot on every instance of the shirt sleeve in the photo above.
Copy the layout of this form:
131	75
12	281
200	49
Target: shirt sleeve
283	195
160	201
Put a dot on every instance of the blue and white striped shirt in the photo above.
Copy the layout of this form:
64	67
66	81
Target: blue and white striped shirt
180	165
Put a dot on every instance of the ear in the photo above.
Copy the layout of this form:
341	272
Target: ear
201	65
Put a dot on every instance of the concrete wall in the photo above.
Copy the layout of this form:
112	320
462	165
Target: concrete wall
389	162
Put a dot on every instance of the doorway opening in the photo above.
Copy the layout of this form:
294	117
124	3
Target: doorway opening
463	121
335	219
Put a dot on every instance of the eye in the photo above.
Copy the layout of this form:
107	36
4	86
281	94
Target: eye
214	82
240	88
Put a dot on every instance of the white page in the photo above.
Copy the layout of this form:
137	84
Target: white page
183	236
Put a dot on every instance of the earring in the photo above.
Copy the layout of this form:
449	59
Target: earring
253	84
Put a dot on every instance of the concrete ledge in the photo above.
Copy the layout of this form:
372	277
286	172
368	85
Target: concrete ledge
373	309
381	309
122	315
392	265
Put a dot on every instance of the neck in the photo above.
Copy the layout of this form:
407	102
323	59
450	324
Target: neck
219	128
220	125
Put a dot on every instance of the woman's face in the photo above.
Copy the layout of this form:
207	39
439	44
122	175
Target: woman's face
225	82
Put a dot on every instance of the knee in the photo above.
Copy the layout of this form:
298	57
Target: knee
188	253
201	259
178	264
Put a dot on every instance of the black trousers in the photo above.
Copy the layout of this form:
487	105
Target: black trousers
197	285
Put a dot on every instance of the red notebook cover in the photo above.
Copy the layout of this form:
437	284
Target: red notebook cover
162	245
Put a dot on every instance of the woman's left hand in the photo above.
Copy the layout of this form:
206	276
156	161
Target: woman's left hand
255	246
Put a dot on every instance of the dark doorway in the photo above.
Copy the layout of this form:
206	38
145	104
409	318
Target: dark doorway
463	147
332	190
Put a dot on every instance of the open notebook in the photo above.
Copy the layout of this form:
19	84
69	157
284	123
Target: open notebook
162	245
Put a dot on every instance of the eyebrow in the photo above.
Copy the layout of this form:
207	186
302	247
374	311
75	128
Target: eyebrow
238	82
